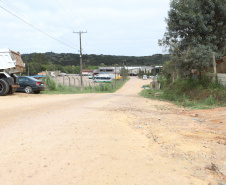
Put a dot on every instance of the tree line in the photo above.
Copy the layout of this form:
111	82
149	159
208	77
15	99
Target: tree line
70	63
195	30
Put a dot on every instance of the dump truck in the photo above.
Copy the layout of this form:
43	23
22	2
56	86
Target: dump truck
10	64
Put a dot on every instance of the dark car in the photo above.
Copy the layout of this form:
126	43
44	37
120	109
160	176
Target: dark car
29	85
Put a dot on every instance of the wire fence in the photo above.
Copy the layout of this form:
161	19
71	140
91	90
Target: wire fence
75	81
72	84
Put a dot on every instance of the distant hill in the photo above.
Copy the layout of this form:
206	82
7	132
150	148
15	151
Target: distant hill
69	59
70	63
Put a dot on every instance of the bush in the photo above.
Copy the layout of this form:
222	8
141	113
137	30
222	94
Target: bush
101	87
191	92
210	100
60	88
50	83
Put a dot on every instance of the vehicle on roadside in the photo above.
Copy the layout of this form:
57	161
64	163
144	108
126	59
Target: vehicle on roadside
90	75
10	64
145	77
102	78
29	85
62	74
52	73
135	73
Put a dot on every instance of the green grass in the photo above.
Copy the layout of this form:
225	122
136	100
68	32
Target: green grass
99	88
149	93
192	94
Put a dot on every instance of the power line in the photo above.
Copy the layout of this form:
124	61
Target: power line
37	28
65	21
17	11
67	7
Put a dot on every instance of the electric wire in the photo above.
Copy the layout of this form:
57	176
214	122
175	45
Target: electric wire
9	5
68	10
36	28
58	17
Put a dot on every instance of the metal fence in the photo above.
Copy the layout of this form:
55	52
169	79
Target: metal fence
75	81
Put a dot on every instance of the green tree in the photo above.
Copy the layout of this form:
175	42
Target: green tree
196	28
35	68
39	58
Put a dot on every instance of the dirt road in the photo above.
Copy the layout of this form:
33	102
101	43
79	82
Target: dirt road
98	139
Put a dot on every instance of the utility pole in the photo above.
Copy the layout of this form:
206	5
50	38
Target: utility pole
80	37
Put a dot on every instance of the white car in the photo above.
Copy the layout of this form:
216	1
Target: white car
90	75
145	77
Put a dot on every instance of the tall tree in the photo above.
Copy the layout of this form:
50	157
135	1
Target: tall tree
195	29
39	58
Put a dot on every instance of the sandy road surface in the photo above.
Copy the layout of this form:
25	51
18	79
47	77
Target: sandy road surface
119	138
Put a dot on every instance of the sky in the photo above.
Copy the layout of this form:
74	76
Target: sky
114	27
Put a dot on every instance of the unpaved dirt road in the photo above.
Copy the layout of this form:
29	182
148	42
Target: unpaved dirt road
119	138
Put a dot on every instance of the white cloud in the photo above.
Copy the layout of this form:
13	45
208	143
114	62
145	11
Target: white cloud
114	26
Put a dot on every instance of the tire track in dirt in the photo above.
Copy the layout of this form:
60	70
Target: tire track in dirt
104	139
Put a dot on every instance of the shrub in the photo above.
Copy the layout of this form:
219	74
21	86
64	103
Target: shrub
50	83
60	88
210	100
191	92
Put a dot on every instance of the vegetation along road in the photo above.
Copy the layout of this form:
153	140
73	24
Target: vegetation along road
118	138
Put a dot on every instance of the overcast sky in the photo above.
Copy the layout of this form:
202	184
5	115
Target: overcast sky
114	27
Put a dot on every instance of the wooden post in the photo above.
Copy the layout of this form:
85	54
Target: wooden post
56	79
173	76
74	80
69	81
214	67
214	64
115	75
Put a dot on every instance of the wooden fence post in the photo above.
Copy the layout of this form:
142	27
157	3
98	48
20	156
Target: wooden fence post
214	67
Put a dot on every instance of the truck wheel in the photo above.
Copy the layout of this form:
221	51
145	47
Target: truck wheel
4	87
12	90
28	90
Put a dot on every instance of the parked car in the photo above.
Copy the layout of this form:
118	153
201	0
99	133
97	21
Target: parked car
90	75
135	73
145	77
62	74
102	78
29	85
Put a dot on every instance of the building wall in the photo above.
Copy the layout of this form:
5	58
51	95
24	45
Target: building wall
221	68
222	78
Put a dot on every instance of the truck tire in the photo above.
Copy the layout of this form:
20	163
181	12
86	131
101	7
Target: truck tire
28	89
12	90
4	87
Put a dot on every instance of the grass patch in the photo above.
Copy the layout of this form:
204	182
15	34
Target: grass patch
149	93
98	88
191	93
